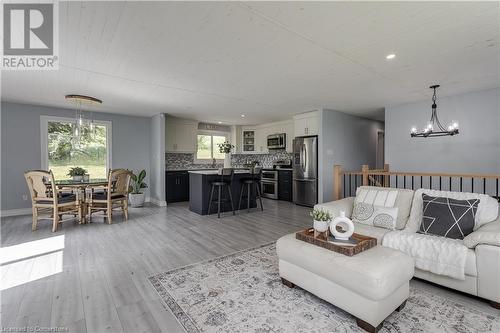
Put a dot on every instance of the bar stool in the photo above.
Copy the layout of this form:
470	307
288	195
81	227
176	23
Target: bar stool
226	178
253	181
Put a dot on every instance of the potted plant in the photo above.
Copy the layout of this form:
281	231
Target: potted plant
321	221
136	196
77	173
225	148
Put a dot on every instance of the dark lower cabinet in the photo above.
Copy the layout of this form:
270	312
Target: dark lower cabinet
285	185
177	186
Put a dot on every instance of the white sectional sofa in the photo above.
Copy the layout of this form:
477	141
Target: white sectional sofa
482	265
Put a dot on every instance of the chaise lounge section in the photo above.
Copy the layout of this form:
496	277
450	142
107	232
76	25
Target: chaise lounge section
482	263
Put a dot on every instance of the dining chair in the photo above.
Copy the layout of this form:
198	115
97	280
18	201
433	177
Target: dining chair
113	196
46	198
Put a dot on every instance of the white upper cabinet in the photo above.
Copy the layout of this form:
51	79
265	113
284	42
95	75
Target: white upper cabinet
258	135
180	135
248	138
306	123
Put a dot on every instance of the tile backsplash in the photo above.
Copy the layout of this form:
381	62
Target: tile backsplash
185	161
265	160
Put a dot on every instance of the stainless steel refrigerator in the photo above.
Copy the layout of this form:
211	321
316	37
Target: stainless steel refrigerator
305	170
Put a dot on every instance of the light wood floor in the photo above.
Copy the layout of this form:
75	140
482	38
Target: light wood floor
98	281
101	282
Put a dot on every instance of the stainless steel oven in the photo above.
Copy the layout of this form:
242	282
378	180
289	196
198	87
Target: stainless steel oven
276	141
269	184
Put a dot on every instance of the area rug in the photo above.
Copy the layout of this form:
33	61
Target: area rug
242	292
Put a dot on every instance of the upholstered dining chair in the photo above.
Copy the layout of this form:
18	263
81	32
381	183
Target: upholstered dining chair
45	198
112	196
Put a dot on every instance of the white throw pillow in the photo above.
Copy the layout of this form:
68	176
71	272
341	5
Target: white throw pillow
487	210
403	201
374	197
375	207
374	215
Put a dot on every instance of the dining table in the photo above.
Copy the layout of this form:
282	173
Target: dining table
83	190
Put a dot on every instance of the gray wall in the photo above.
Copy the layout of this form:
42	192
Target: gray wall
345	140
21	149
157	159
475	150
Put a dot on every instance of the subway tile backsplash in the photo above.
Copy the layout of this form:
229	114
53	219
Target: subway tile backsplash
185	161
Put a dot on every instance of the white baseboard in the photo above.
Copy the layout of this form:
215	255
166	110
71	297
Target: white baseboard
157	202
27	211
15	212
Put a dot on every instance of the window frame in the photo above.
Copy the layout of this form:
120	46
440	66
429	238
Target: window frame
211	134
44	124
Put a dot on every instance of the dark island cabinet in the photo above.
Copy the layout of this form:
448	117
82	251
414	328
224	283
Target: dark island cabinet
177	186
285	185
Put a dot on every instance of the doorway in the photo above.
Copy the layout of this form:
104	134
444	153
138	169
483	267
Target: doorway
380	158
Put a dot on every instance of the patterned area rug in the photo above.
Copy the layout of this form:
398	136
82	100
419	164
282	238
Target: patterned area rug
242	292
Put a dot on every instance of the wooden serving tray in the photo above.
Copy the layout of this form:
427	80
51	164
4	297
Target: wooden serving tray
364	242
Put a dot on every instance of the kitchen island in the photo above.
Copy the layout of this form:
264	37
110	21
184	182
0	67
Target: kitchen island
200	185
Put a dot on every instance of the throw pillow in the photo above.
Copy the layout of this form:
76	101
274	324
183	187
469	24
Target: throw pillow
403	201
376	197
373	215
447	217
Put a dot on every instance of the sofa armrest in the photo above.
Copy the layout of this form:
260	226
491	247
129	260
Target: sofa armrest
335	207
488	234
488	272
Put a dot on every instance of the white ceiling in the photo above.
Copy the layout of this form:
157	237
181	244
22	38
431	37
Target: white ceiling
213	61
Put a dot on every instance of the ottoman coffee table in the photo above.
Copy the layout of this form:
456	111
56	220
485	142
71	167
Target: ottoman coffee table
369	285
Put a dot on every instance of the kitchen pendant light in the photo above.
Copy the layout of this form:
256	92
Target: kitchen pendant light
434	127
80	100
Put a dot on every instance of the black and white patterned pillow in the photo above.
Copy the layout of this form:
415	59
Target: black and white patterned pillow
447	217
377	216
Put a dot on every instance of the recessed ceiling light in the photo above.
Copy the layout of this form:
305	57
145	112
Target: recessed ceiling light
242	116
390	56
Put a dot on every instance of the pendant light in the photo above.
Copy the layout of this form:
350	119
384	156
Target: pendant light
80	121
434	127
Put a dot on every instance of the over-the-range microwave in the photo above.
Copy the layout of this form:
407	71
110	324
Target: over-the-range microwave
276	141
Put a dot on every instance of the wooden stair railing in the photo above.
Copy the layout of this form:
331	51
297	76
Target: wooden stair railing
346	182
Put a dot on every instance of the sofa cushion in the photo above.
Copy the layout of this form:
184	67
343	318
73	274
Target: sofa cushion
403	202
368	230
487	210
374	274
488	234
448	217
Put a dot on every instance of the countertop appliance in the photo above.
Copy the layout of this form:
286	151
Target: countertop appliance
305	170
269	183
276	141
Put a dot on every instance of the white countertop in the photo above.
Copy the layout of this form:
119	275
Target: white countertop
215	172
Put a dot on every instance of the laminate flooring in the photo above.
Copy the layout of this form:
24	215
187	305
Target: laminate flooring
93	277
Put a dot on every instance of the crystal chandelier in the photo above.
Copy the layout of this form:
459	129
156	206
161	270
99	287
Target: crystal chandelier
80	121
434	127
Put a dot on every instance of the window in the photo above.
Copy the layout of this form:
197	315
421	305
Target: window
207	146
61	151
